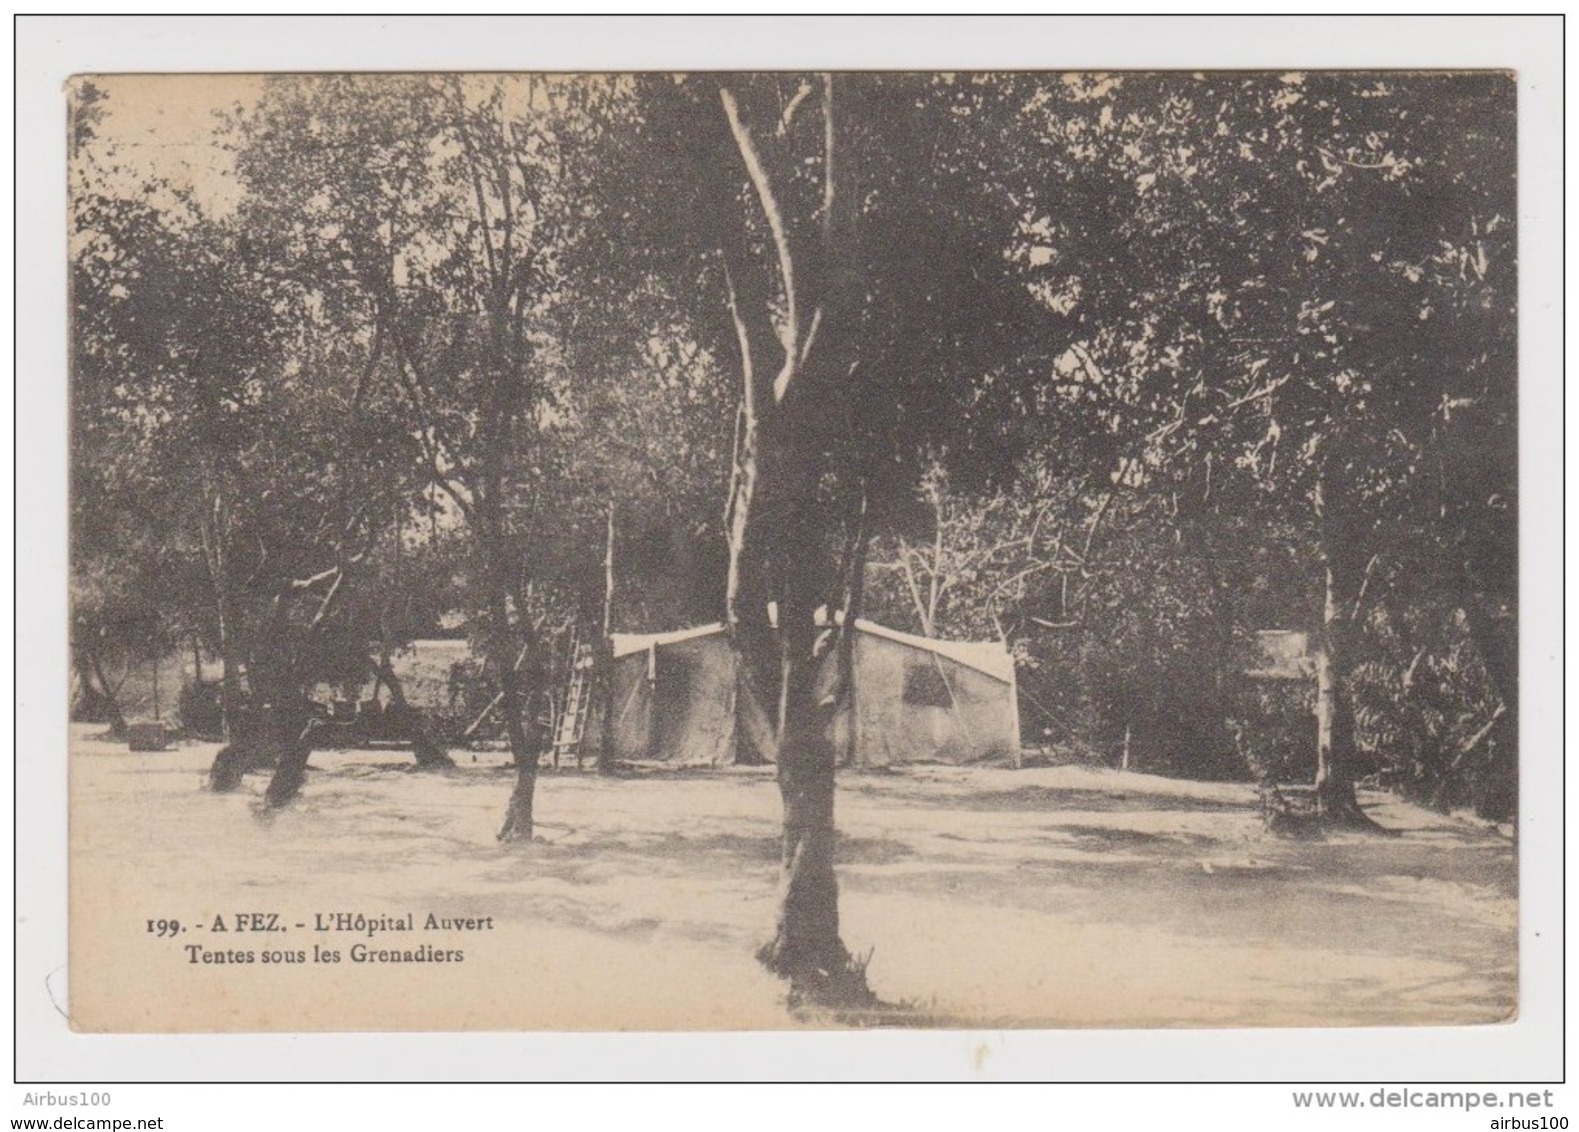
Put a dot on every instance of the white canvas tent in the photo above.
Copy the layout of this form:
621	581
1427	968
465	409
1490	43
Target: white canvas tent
924	700
917	700
673	696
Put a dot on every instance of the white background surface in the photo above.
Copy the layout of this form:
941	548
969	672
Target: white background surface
51	48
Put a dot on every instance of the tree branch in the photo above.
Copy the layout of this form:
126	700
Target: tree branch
310	582
1478	737
464	129
790	336
793	105
406	375
1268	388
1046	624
1365	581
937	559
328	601
743	336
811	335
903	565
1023	574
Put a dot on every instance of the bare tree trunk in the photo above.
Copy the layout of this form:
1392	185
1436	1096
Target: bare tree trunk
806	947
97	703
752	635
518	820
1336	753
603	661
239	752
854	569
1496	795
111	699
411	722
291	724
511	666
285	726
231	700
155	673
603	696
293	730
778	535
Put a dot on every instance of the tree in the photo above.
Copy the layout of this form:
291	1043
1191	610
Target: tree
216	395
436	210
778	525
1313	274
399	597
164	349
983	558
842	228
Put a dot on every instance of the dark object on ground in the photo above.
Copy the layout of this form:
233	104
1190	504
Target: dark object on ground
147	737
346	724
202	714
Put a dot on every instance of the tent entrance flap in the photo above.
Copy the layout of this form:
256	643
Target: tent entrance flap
675	693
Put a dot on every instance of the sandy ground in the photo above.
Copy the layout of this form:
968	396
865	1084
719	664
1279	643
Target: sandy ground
1050	897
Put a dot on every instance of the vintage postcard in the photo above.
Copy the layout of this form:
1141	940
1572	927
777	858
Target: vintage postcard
742	551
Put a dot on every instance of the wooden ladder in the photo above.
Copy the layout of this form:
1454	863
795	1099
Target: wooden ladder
571	725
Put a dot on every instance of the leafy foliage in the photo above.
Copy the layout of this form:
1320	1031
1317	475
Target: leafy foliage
1116	367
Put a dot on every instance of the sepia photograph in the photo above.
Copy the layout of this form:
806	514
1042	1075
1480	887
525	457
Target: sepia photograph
677	552
756	550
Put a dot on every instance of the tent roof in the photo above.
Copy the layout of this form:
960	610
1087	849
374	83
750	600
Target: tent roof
627	643
988	657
